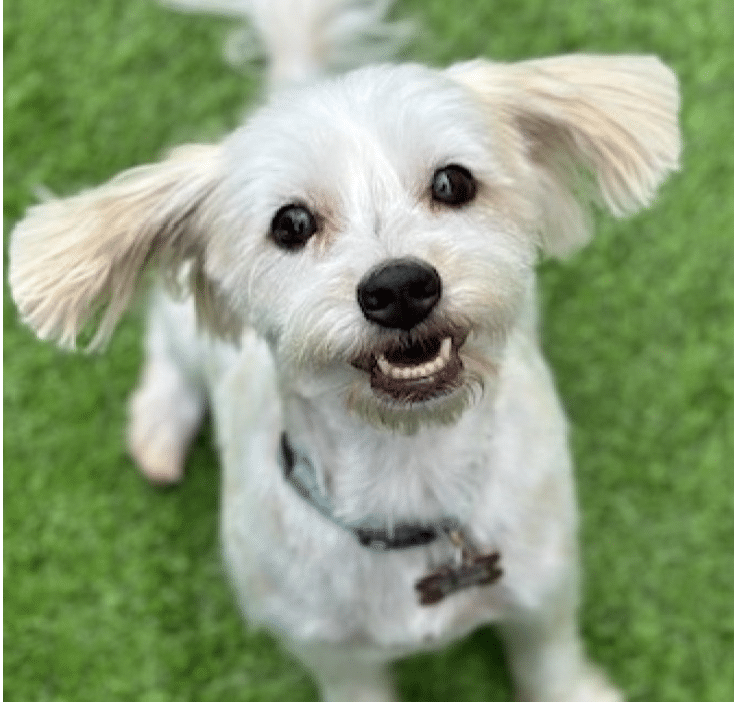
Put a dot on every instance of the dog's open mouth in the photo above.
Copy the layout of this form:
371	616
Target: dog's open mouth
415	372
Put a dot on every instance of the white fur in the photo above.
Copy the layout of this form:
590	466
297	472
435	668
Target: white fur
361	151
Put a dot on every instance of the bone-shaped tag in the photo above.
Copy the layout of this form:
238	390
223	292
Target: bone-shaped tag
475	569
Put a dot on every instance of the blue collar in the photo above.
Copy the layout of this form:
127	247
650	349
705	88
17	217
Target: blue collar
299	472
475	569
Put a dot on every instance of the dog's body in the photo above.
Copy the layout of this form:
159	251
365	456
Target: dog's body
363	251
337	604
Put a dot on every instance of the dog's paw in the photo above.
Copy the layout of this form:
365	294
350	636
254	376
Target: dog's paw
158	453
591	686
163	419
594	687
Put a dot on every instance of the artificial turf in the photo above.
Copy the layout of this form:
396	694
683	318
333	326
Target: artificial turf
114	590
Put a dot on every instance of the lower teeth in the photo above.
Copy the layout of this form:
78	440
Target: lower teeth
423	370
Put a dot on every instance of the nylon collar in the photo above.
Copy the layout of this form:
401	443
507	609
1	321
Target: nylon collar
300	473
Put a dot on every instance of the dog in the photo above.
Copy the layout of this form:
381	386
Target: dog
347	281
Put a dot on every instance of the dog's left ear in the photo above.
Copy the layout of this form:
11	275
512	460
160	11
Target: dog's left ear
612	117
82	257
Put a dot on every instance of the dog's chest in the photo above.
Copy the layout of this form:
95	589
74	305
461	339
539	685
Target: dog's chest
300	574
395	617
321	586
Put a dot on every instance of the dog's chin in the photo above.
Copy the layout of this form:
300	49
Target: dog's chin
415	382
409	417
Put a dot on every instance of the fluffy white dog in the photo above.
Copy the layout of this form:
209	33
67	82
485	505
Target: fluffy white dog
360	256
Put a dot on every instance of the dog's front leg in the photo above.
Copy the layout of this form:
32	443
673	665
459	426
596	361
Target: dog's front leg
167	408
345	675
547	660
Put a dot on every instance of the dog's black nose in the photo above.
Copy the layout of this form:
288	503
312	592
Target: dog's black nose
399	293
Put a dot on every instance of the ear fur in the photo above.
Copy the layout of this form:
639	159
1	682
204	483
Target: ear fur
612	117
75	257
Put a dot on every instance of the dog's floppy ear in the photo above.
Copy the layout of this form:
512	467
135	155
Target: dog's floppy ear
75	258
610	117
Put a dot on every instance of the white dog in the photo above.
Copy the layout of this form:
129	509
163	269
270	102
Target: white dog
360	254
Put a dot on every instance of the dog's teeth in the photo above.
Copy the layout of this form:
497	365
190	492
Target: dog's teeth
423	370
446	349
426	370
384	366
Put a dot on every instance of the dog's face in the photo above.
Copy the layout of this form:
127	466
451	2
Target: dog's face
378	230
370	230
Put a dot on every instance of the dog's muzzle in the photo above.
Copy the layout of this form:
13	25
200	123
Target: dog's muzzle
421	361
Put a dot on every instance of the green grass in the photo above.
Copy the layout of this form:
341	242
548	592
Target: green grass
114	591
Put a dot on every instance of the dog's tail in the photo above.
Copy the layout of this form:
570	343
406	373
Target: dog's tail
302	39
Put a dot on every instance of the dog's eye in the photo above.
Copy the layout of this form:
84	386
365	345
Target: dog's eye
453	185
292	226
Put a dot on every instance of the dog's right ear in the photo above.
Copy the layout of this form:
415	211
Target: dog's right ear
75	258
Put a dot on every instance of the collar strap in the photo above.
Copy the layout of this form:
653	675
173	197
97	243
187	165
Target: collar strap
299	472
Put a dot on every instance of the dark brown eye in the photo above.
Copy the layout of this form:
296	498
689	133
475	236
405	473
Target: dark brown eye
292	226
453	185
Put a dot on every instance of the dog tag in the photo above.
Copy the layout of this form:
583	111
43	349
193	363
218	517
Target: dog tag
476	569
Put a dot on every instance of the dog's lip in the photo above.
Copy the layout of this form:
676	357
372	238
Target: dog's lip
425	368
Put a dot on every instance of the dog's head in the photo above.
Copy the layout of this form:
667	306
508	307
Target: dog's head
379	230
